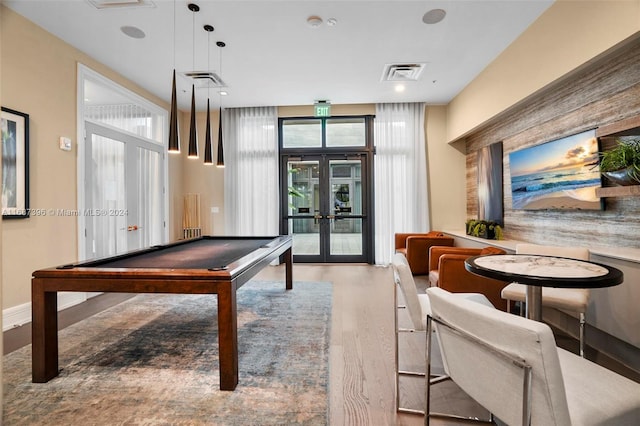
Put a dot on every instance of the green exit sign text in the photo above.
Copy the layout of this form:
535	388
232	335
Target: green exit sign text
322	109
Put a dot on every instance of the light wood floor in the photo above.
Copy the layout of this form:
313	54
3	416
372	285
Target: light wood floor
362	381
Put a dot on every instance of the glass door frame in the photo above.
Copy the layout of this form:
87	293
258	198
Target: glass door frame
161	126
324	155
132	144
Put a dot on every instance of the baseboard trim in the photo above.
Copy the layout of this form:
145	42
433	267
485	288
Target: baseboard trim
604	344
70	310
20	315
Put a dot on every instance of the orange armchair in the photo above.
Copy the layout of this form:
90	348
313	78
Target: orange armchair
415	248
446	270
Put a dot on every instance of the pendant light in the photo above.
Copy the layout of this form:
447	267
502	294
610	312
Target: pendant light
174	135
193	132
208	146
220	159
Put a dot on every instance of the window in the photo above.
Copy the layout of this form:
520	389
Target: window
339	132
346	132
302	134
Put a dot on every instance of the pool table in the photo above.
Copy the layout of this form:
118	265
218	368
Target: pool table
204	265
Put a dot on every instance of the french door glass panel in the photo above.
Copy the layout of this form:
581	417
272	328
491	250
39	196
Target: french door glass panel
149	198
304	206
325	212
345	177
107	195
123	192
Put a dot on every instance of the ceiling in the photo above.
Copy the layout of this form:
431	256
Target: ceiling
274	57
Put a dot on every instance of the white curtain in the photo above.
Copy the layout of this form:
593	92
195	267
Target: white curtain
251	195
150	211
108	192
401	198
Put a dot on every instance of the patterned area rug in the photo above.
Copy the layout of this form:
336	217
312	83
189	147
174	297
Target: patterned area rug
153	360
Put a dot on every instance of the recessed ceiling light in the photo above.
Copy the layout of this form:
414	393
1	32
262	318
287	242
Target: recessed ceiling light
434	16
399	87
332	22
223	93
133	32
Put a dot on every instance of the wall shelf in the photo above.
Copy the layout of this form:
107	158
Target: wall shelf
626	127
628	254
618	191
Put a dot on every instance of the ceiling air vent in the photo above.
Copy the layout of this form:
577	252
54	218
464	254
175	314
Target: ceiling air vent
204	79
402	72
110	4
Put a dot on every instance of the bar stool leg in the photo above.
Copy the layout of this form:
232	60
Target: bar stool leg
582	324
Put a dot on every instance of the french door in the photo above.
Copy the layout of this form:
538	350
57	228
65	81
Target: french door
327	203
124	208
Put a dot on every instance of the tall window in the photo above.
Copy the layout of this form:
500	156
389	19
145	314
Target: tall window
251	195
401	202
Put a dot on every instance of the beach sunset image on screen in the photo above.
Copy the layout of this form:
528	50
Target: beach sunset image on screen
561	174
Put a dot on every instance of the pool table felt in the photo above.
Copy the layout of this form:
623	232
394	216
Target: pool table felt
199	254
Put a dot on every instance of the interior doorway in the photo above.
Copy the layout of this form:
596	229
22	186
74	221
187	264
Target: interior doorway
123	209
326	192
122	168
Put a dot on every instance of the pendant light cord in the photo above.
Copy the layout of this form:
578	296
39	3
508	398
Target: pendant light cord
174	34
220	70
193	44
208	62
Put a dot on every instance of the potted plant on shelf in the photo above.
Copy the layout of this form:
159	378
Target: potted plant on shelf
484	229
621	165
470	225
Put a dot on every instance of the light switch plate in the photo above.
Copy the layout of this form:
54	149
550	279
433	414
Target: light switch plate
65	143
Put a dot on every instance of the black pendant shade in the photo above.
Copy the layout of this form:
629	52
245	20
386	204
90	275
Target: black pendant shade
220	160
193	132
174	136
208	146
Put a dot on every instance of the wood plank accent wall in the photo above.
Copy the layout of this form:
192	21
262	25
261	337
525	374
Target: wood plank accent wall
601	93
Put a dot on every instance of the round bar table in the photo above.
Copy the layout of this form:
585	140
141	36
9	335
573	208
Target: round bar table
538	271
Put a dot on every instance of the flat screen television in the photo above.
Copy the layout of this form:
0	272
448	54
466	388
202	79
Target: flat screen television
562	174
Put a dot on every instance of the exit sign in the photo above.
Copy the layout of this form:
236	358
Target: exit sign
322	109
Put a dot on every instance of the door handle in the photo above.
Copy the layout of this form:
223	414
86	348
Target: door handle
329	216
132	228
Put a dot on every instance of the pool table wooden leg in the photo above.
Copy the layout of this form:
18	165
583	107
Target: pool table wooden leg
228	336
44	330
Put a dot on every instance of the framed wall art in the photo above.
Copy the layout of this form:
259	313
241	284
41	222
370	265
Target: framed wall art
15	164
562	174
